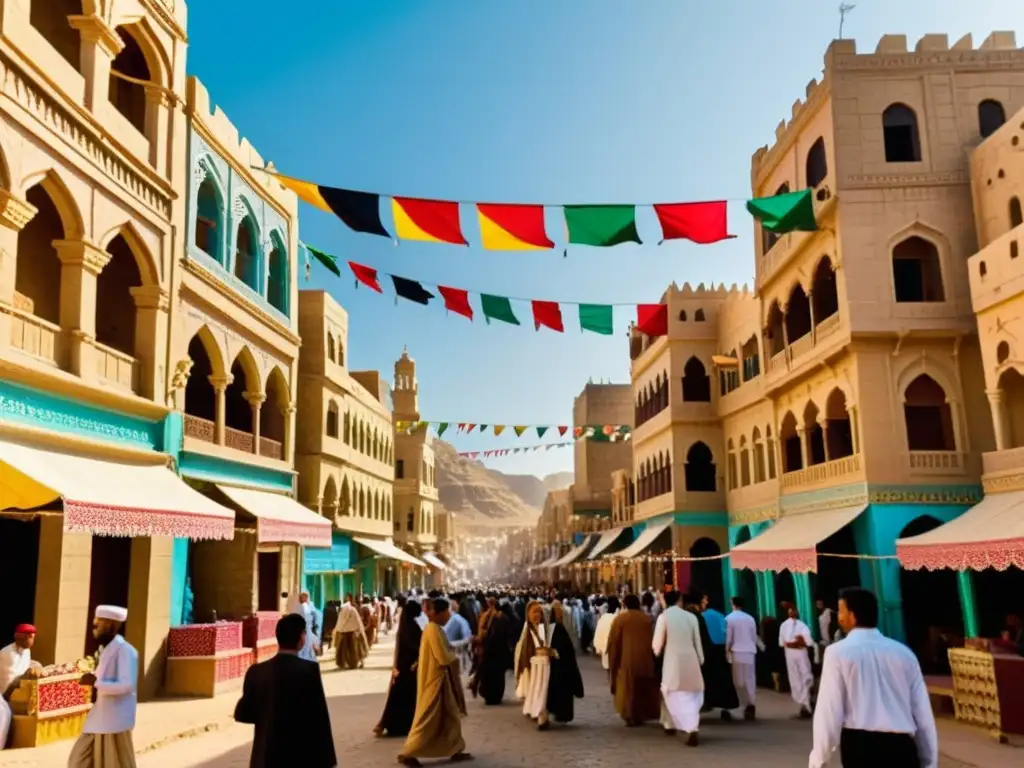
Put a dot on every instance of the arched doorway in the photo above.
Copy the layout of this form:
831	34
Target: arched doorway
706	575
746	579
38	266
700	469
200	398
835	573
931	607
696	382
273	415
115	305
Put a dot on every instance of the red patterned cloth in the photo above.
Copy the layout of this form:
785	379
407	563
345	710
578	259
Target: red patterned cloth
61	694
204	639
795	560
976	556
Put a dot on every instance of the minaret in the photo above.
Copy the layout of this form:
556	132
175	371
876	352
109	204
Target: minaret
405	395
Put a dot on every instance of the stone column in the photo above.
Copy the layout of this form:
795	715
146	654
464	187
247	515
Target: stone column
14	215
997	404
62	592
960	444
158	114
100	45
288	411
255	400
220	388
824	438
81	264
149	607
805	453
854	428
151	333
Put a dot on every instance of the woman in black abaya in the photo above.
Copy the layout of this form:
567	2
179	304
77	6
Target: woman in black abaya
400	707
495	658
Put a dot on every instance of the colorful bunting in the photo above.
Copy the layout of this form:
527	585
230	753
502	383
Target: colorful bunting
791	212
601	225
456	300
360	211
603	432
429	221
702	223
519	430
652	319
498	452
541	431
497	308
498	429
365	275
442	428
596	318
410	290
512	227
562	431
329	261
547	314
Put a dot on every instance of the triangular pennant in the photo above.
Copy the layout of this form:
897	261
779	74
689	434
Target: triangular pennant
498	429
366	275
329	261
541	431
483	428
470	428
461	427
519	431
441	428
562	430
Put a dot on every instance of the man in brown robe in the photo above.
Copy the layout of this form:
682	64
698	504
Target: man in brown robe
631	665
440	704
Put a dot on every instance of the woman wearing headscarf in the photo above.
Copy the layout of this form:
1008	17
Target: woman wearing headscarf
350	646
533	665
494	654
400	707
631	665
566	681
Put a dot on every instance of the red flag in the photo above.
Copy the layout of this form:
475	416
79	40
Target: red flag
702	223
548	314
427	220
461	427
470	428
652	319
512	227
456	300
366	275
562	431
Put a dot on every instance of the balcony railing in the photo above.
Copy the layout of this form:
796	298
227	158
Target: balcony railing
272	449
799	347
200	429
1009	460
239	440
117	368
937	462
830	471
35	336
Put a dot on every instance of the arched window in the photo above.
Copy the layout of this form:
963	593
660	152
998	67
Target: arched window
344	505
816	167
330	347
798	314
347	429
700	468
329	499
410	521
900	135
698	316
50	19
38	266
1002	352
991	116
824	293
770	451
730	457
839	433
682	315
247	254
1016	218
774	335
751	358
792	450
744	462
814	435
917	271
759	451
927	415
696	383
200	399
210	219
277	285
130	98
237	410
1012	385
332	420
115	305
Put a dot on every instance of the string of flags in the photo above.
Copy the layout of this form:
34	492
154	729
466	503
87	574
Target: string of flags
651	319
495	452
601	432
521	227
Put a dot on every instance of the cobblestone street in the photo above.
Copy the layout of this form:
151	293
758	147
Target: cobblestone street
500	736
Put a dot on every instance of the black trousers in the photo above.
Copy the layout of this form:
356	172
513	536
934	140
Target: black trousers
869	749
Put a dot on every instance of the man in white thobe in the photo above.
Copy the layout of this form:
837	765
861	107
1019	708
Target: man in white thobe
741	648
15	661
825	616
314	622
604	629
795	637
677	636
106	738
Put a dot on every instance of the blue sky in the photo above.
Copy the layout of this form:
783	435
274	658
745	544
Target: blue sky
572	101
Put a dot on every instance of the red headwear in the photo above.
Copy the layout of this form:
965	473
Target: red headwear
24	629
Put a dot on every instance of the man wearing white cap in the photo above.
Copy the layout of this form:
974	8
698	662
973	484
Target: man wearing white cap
106	740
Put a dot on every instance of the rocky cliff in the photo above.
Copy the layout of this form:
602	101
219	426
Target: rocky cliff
487	497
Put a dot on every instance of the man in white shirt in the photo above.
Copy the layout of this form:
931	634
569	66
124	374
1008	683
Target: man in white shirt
795	637
741	646
677	635
872	703
107	735
15	661
825	631
604	629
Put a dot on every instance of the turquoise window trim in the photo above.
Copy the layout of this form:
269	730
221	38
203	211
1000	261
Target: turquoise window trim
329	561
216	470
43	410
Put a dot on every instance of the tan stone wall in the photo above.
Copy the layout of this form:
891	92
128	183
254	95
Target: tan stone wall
62	592
225	577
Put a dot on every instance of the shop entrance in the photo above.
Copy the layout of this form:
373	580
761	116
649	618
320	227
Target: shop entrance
109	575
268	581
19	562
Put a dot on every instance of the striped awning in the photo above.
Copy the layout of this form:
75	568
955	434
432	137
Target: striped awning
791	543
644	541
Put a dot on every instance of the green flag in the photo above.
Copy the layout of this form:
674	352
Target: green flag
441	428
483	427
601	224
541	431
791	212
329	261
497	308
596	318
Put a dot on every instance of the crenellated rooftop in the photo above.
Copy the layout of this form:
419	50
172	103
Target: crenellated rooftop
701	292
891	53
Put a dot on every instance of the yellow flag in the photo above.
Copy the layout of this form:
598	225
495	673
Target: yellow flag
498	429
520	430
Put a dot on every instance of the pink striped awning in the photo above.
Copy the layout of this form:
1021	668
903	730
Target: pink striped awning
988	535
791	543
281	519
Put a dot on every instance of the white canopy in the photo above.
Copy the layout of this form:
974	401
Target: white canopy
790	544
607	539
573	554
281	518
112	498
387	549
435	561
643	541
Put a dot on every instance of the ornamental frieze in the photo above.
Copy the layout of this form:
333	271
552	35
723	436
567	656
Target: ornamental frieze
756	515
910	494
870	181
22	409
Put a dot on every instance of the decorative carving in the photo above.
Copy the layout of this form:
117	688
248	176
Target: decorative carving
78	133
179	380
150	297
74	253
871	181
754	515
20	410
238	208
975	692
943	60
15	213
910	494
1002	483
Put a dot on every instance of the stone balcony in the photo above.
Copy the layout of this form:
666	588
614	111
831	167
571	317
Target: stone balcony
791	245
412	486
205	431
117	369
778	365
36	337
836	472
937	463
1003	470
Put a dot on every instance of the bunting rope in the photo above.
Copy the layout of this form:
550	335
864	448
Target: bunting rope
600	432
521	226
651	319
612	559
497	452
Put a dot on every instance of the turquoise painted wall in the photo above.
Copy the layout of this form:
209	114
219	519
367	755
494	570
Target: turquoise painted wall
179	572
334	560
216	470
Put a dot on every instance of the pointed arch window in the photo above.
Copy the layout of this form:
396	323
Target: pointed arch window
900	134
277	278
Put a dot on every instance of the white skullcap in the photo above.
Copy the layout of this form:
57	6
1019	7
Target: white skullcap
112	613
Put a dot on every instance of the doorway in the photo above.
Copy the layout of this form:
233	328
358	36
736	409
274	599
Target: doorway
268	577
109	576
19	564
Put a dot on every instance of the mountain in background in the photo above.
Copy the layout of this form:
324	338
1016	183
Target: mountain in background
487	498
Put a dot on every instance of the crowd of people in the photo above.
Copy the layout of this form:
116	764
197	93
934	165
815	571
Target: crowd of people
670	658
